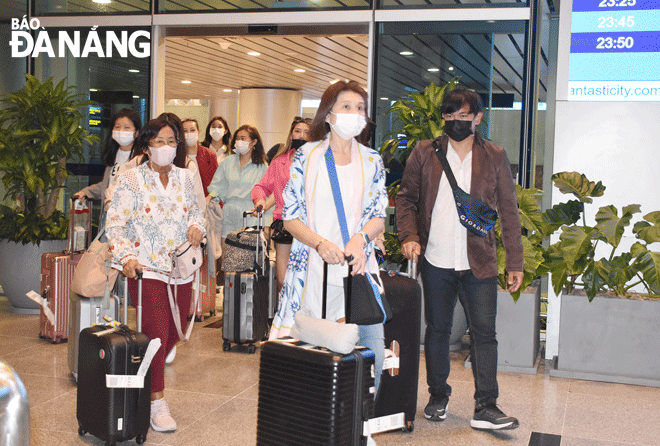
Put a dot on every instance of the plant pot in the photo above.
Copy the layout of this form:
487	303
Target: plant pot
609	339
20	271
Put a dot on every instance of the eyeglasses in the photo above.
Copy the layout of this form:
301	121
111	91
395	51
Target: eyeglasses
160	142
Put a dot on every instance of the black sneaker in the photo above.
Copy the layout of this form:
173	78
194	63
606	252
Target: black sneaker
492	418
436	409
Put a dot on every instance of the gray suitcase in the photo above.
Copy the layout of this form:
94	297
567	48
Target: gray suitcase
245	303
83	312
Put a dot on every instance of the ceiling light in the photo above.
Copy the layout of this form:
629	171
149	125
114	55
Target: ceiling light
254	53
136	97
491	21
299	70
406	53
101	1
227	90
334	81
133	71
434	70
384	99
186	82
93	89
451	68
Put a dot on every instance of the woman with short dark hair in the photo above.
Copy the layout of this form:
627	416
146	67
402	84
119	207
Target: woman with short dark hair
153	211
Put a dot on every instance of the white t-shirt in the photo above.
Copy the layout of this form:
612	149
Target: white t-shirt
447	245
121	158
326	224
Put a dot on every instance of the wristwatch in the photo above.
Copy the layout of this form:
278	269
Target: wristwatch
365	236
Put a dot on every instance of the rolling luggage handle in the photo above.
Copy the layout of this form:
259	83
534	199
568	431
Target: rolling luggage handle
261	268
72	213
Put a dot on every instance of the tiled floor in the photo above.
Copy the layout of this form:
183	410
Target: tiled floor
213	397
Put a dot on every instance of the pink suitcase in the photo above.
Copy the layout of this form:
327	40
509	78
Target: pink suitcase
207	292
56	274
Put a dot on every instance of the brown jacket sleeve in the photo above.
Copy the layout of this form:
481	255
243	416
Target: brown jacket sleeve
507	207
407	200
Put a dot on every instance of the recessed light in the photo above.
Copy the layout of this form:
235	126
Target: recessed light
384	99
136	97
406	53
101	1
334	81
186	82
433	70
227	90
254	53
451	68
299	70
93	89
133	71
491	21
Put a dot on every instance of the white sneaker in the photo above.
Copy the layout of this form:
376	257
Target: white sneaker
161	420
170	357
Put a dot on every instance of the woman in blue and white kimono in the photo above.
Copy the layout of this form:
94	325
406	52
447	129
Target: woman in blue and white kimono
310	215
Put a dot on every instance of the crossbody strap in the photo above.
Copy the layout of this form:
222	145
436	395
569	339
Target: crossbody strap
445	164
339	204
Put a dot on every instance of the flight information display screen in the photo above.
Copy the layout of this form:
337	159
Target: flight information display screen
615	51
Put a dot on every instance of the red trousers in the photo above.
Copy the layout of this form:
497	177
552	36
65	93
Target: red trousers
157	321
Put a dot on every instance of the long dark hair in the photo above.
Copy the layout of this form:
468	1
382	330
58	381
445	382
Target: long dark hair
285	147
111	146
258	152
150	131
225	138
320	128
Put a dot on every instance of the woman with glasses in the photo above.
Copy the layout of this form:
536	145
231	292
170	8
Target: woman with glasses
236	176
153	211
118	150
311	215
217	138
272	184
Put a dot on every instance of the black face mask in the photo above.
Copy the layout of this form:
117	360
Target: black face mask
297	143
458	130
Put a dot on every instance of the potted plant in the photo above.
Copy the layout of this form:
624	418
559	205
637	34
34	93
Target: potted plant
606	328
40	131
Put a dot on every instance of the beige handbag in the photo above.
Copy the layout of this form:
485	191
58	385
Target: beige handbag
94	275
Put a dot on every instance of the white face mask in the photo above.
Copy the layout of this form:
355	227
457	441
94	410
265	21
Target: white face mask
162	156
217	133
122	137
348	125
242	147
192	138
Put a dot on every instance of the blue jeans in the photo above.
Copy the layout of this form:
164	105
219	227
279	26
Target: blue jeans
373	337
479	300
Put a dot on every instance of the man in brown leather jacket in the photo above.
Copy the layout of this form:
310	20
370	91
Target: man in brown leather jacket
455	260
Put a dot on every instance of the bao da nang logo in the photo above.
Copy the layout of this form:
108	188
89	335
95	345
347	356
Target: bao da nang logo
23	43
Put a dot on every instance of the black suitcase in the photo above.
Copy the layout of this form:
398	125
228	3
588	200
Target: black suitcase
398	388
310	396
245	301
112	414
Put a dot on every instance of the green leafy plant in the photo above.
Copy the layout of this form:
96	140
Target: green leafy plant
421	119
573	257
40	131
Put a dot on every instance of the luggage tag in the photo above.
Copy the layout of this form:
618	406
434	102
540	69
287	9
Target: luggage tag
135	381
391	363
43	303
383	424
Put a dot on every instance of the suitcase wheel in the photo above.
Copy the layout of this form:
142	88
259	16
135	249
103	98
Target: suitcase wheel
140	439
226	346
251	348
199	318
410	426
212	313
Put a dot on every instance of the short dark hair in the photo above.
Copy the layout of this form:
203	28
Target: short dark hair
320	128
151	130
458	98
111	146
258	152
225	137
